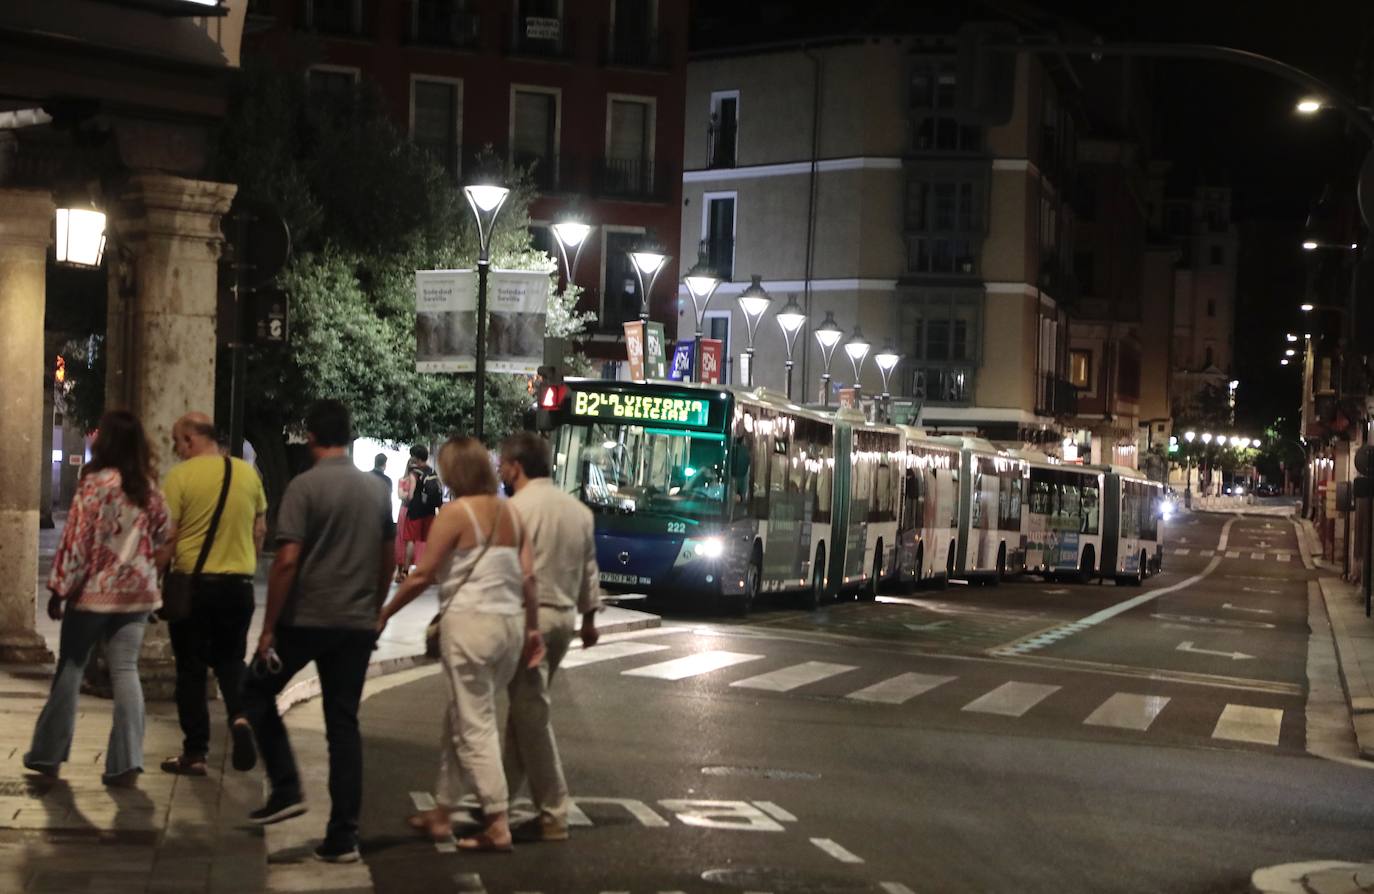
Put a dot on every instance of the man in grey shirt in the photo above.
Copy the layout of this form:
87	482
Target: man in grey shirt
331	574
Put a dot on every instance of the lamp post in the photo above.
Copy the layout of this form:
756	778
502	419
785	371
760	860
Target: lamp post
486	201
571	235
80	236
828	335
790	319
648	262
754	302
857	349
702	282
887	360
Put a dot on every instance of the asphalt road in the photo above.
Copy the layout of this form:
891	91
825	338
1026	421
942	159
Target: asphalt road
974	739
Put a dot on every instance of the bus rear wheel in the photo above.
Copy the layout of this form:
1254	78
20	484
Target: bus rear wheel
814	596
870	591
1001	565
1086	566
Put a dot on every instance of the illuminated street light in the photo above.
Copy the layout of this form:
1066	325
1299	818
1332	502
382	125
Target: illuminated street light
1309	245
1291	337
1283	362
1189	435
571	236
828	335
1305	307
754	301
790	319
648	262
486	200
1255	442
887	360
702	282
1309	106
80	236
857	348
1206	437
1289	353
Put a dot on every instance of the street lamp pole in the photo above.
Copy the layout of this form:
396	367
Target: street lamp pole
790	319
754	302
828	335
486	201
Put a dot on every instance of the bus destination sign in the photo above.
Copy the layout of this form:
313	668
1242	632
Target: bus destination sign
642	408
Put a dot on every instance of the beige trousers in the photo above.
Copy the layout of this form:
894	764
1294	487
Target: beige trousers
480	653
531	751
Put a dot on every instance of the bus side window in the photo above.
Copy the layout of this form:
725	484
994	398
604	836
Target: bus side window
763	445
824	486
1090	503
741	463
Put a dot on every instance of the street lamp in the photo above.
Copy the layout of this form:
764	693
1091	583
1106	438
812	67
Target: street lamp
1283	362
1309	105
828	335
1189	435
754	301
1206	437
486	201
702	282
1313	245
887	360
571	236
1289	353
1291	337
790	319
857	349
80	236
647	261
1255	442
1305	307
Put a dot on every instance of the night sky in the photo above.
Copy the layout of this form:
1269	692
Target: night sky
1221	123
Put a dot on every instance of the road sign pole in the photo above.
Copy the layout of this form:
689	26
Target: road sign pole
238	362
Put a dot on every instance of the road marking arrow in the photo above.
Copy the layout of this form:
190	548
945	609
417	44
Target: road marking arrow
933	625
1187	646
1241	608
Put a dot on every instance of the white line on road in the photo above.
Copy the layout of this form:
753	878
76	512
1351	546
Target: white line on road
895	888
1011	699
1246	723
1283	557
789	678
834	850
1125	710
691	665
1233	554
899	689
609	652
1258	557
1241	608
775	811
1260	590
1182	552
1188	646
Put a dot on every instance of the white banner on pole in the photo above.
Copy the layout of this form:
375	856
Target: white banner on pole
446	320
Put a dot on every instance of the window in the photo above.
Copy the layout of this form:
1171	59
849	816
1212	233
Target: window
934	125
534	134
1211	307
541	239
629	146
634	33
1084	269
334	16
449	23
330	84
942	327
1081	369
722	132
539	27
1218	255
1207	361
620	295
434	119
944	222
718	232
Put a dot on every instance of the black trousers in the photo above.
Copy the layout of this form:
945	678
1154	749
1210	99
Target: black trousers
214	637
341	656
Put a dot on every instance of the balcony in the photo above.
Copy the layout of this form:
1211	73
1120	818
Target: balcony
539	38
721	141
1055	396
435	23
629	178
947	385
651	51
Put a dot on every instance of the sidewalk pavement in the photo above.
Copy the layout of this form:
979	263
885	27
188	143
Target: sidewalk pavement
173	833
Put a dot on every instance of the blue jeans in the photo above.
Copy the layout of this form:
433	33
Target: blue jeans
123	636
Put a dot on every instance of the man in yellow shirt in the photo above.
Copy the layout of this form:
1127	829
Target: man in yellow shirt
215	634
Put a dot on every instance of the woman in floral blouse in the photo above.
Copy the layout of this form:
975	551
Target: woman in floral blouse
105	575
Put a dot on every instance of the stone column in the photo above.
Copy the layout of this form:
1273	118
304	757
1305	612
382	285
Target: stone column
161	340
26	220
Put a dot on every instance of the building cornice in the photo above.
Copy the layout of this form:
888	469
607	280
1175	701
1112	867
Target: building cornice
799	285
793	168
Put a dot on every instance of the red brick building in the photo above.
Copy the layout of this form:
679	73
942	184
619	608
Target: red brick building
590	92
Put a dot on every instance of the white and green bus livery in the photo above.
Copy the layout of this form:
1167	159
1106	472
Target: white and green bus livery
1062	518
1132	548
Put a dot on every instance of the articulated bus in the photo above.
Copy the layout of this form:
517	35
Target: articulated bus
928	521
1063	518
991	493
714	491
1131	548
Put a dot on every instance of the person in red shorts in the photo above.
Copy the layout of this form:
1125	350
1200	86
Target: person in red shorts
426	496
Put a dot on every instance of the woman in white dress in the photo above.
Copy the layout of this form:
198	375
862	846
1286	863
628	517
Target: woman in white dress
488	625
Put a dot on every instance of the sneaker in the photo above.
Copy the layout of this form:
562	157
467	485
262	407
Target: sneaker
245	754
334	853
540	828
276	809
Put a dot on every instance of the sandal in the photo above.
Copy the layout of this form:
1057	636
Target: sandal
184	765
429	822
482	843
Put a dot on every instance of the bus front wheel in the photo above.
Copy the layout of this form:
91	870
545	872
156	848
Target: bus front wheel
1001	571
816	594
753	578
1086	566
870	591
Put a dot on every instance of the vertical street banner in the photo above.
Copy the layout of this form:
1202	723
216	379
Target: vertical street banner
634	349
681	368
711	352
517	307
445	321
655	361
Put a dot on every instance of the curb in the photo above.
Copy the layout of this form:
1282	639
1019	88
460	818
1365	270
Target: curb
1361	720
309	688
1326	876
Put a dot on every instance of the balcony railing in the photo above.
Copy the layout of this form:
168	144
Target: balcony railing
645	51
544	38
437	23
721	143
629	178
952	385
1055	396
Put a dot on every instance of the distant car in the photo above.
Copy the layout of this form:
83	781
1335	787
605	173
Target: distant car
1267	489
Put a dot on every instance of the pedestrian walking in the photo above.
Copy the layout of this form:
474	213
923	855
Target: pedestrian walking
422	503
488	625
331	572
561	533
219	514
103	585
404	485
379	470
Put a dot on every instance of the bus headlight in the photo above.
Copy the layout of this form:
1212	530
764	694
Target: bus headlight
711	548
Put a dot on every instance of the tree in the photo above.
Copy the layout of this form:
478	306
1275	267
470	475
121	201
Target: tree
366	208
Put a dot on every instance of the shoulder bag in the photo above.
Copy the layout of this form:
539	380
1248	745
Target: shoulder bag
178	586
432	628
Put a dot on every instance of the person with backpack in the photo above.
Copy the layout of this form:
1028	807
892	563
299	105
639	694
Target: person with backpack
426	496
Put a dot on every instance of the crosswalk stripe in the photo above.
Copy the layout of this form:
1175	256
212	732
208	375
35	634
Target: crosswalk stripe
1247	723
1283	557
608	652
837	851
1125	710
1182	552
789	678
895	888
690	665
899	689
1011	699
1233	554
1257	556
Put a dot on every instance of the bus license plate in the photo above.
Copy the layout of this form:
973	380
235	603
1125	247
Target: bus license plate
608	577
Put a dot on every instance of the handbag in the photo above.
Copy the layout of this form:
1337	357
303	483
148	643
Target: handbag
178	586
432	628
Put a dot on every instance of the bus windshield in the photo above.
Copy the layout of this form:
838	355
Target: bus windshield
640	470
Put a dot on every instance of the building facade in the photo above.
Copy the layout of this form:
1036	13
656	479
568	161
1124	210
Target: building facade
585	93
848	174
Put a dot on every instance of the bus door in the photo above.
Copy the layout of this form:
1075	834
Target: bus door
782	553
841	523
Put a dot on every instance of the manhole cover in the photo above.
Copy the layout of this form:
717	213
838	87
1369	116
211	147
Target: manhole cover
783	881
758	773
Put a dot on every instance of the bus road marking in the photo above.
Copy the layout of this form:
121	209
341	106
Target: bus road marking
835	850
775	811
